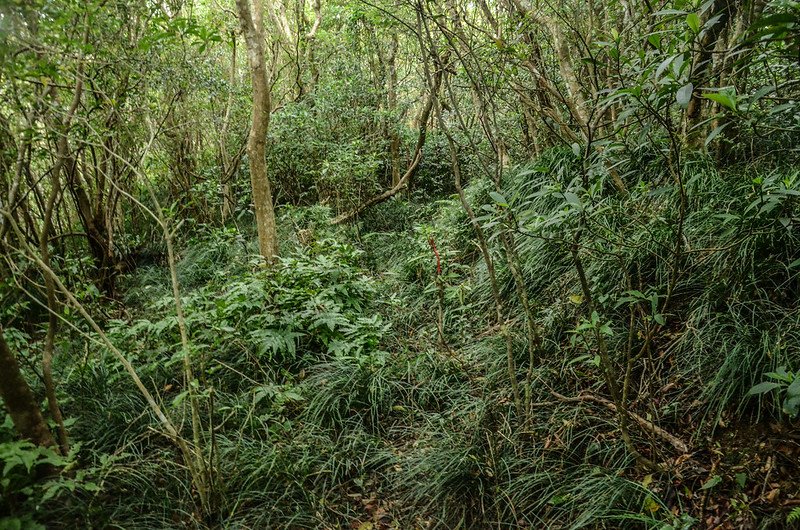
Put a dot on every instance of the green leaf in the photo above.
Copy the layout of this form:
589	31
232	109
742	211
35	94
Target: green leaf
713	134
763	388
498	198
726	99
794	388
660	319
668	12
793	516
693	21
684	95
557	500
663	66
780	374
579	359
91	486
791	406
179	398
572	198
710	483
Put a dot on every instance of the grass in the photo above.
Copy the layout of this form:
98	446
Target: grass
357	421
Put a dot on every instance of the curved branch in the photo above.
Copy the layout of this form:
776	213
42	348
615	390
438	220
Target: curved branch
415	160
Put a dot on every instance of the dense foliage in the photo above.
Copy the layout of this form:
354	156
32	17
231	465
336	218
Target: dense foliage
535	264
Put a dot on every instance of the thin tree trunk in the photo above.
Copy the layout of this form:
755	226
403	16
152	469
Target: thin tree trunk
391	101
44	242
702	66
311	40
253	29
227	189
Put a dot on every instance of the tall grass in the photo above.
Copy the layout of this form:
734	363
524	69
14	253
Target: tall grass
349	412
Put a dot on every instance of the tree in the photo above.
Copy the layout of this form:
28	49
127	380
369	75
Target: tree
19	400
252	21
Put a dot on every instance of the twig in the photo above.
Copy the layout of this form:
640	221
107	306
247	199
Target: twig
645	424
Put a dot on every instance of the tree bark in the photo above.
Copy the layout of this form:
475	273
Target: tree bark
391	101
228	201
95	224
311	44
252	22
19	400
702	65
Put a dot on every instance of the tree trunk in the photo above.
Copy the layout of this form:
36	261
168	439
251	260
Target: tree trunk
702	66
311	43
391	96
253	29
228	201
95	224
19	400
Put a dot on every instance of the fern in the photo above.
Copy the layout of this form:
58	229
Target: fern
794	516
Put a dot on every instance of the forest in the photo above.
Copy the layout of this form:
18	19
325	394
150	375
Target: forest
399	264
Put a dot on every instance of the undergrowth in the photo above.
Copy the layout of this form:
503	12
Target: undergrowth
336	401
